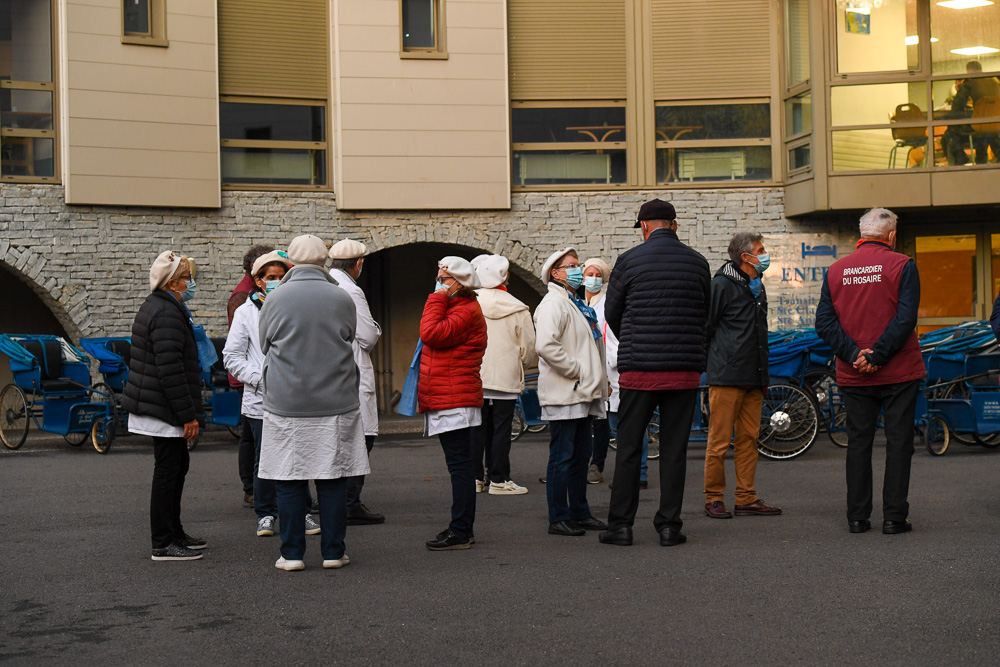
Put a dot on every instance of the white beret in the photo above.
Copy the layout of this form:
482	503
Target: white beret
268	258
163	269
307	249
348	249
551	262
461	270
492	270
601	265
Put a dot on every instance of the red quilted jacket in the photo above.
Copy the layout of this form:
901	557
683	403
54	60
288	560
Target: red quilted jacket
454	335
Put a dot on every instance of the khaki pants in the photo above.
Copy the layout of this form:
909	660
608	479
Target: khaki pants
732	409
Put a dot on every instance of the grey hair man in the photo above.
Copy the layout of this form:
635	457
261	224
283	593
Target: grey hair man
867	314
737	375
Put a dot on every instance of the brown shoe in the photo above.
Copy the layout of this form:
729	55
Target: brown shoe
717	510
248	500
758	508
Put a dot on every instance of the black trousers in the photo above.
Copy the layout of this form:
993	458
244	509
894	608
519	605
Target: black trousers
602	440
636	409
171	460
246	454
457	446
492	438
898	401
356	483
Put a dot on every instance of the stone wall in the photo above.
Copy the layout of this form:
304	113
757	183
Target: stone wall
90	264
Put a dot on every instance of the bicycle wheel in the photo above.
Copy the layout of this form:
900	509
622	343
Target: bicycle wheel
13	416
653	437
937	436
517	426
75	439
789	422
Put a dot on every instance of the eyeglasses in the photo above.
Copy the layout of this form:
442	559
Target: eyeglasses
568	266
184	277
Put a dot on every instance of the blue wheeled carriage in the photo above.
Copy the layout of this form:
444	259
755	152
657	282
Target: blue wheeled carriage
527	412
52	389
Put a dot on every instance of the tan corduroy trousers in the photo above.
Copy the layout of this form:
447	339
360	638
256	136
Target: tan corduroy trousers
732	410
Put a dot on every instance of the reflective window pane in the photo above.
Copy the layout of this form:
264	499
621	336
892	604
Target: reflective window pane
27	156
276	122
135	13
713	121
738	163
894	148
877	39
947	267
968	143
797	41
569	167
964	32
799	157
26	40
26	109
533	125
273	166
878	104
419	24
798	115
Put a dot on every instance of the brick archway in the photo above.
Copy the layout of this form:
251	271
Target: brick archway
68	303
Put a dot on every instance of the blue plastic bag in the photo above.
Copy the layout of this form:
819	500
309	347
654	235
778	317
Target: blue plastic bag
408	405
206	349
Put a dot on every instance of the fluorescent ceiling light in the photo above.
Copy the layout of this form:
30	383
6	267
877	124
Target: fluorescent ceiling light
859	10
913	40
975	51
964	4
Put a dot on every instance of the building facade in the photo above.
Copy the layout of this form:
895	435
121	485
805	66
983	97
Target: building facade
434	127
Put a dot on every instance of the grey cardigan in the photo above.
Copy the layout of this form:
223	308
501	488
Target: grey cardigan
306	328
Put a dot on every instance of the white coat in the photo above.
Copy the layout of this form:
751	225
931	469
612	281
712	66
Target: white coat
510	341
365	337
610	352
571	367
243	358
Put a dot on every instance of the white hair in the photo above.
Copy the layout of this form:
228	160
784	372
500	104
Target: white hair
876	223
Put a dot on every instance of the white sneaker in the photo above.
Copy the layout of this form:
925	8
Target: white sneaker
265	526
289	565
312	528
480	486
337	563
508	488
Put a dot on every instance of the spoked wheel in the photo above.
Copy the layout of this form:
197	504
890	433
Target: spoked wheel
235	431
824	385
789	422
653	438
13	416
959	390
76	439
838	431
937	436
537	428
102	433
517	425
989	441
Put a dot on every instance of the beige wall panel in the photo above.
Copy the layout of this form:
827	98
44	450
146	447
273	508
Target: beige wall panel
880	190
422	91
425	196
182	28
460	14
368	12
369	38
390	65
141	135
477	41
384	143
110	77
105	49
368	169
150	108
111	4
149	191
143	163
191	8
949	188
800	197
92	20
422	117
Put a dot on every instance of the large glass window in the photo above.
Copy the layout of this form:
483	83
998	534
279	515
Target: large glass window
270	144
877	36
559	145
965	31
713	142
796	41
27	92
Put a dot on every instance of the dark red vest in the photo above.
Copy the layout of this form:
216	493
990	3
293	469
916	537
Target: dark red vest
864	287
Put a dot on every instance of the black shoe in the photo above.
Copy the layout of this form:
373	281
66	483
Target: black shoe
314	508
176	552
644	484
896	527
364	517
862	526
566	528
618	536
444	533
189	542
449	540
590	523
671	537
542	480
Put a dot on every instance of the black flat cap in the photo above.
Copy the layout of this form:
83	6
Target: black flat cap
656	209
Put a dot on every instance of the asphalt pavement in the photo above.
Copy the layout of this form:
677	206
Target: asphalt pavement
77	584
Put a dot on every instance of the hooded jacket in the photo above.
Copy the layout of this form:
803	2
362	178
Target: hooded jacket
737	331
510	341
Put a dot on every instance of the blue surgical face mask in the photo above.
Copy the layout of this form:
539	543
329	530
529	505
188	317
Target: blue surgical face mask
188	294
269	285
593	284
764	262
574	277
439	285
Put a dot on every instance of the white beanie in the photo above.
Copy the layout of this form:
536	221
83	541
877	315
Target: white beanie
307	249
163	269
461	270
492	270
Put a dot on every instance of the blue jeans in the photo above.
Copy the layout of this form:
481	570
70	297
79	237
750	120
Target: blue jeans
292	495
566	475
613	423
265	494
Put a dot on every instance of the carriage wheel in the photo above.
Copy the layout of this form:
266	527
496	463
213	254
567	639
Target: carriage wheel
989	441
517	425
537	428
937	436
103	393
75	439
102	433
13	416
959	390
789	422
838	432
653	436
824	386
235	431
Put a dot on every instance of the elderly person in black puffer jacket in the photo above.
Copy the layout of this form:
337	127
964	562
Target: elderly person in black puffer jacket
657	306
163	399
